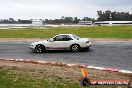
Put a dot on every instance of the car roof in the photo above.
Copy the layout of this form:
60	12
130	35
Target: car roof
65	34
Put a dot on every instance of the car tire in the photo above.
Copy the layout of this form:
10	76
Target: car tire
75	48
39	48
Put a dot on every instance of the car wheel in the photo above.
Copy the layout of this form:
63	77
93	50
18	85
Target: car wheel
39	48
75	48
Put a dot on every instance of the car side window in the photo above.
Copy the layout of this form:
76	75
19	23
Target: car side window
62	38
68	38
58	38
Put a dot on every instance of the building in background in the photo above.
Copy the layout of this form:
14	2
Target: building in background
37	22
85	23
112	23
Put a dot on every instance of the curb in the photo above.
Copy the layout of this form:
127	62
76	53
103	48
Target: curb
110	69
70	65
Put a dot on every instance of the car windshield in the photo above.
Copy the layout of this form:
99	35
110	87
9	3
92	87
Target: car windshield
50	39
75	36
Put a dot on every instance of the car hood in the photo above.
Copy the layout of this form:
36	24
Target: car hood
84	39
39	42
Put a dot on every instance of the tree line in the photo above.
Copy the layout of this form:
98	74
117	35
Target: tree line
68	20
113	16
102	16
63	20
12	21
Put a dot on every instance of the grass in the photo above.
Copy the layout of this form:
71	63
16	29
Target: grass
91	32
30	77
11	79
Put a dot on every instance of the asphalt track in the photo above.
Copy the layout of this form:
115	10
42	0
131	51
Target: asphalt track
104	54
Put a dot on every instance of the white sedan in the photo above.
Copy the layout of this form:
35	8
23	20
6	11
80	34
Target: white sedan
61	42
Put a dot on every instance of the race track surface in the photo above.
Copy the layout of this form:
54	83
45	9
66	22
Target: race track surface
103	54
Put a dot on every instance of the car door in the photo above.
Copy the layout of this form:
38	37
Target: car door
68	41
58	43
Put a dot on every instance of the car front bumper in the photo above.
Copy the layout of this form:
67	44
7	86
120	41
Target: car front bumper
87	45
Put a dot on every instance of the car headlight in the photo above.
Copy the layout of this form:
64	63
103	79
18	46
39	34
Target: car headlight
30	45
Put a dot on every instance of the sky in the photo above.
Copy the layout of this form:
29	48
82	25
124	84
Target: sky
51	9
